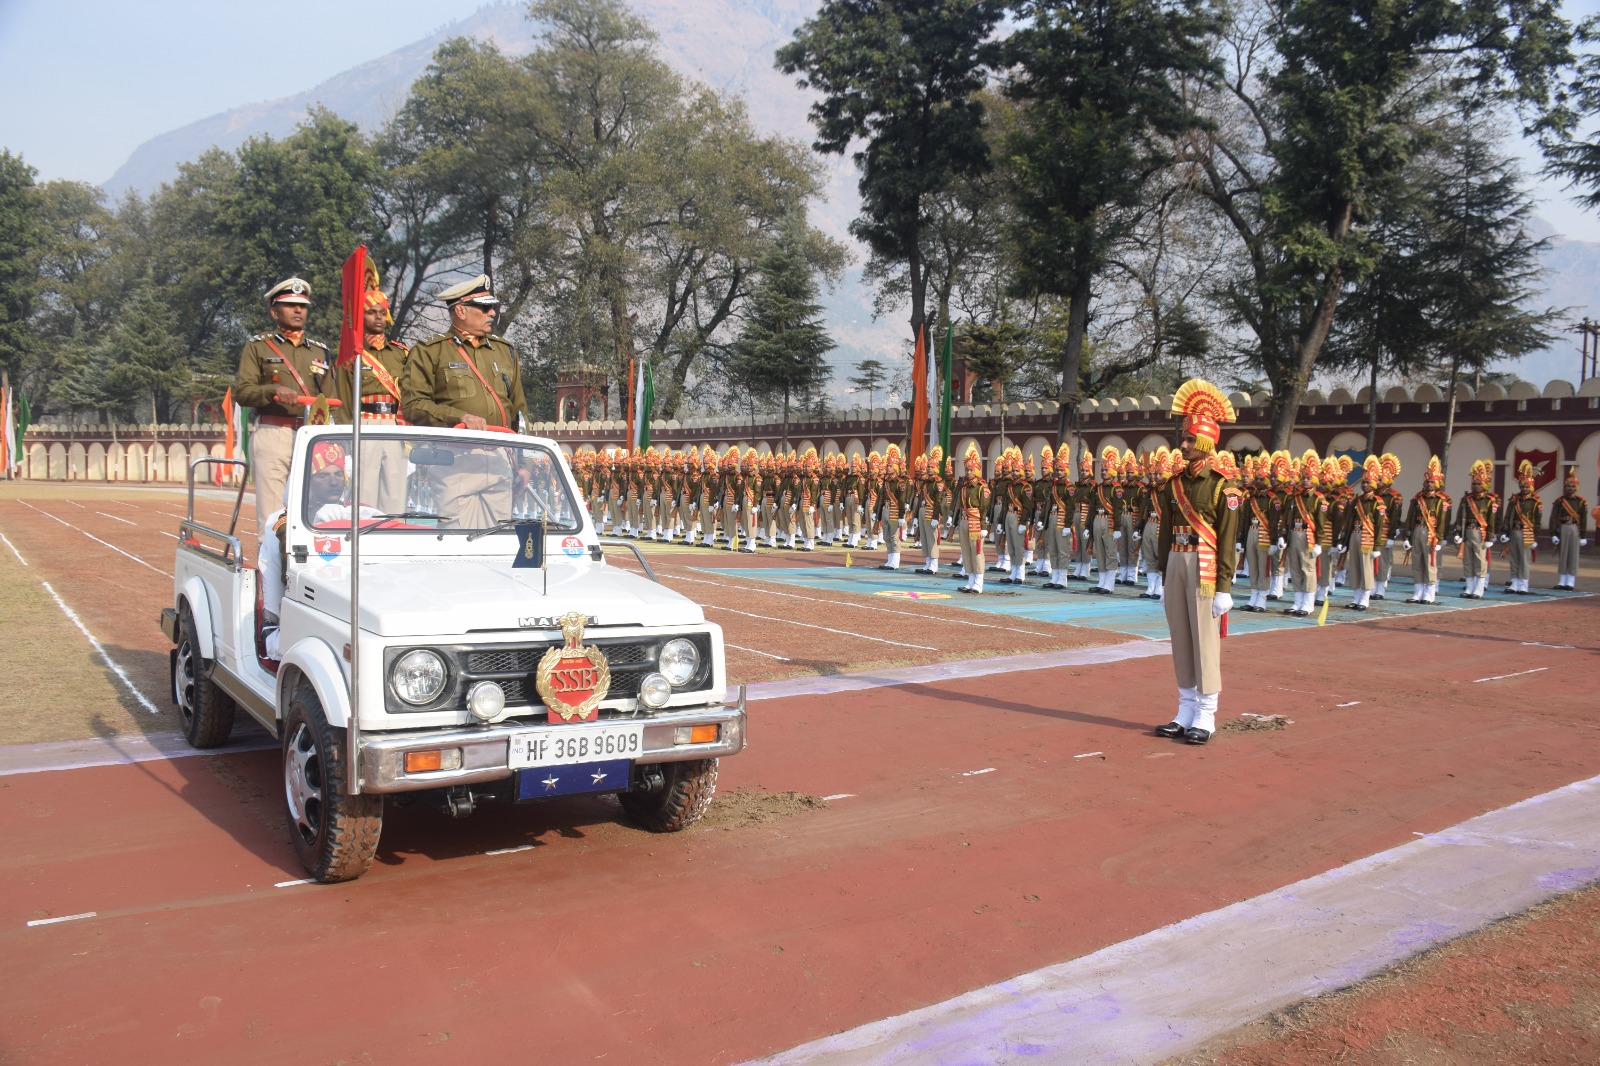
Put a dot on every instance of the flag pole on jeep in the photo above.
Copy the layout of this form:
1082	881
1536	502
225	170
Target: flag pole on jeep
352	291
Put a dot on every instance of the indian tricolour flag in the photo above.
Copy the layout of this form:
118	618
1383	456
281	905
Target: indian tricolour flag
643	404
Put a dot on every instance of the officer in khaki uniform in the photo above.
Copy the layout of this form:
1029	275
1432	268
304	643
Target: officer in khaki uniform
275	370
382	470
1569	530
1200	512
472	378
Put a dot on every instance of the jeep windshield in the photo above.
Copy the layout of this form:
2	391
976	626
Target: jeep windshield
433	484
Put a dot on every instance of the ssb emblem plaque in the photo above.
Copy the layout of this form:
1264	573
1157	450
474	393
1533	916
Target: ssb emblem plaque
573	679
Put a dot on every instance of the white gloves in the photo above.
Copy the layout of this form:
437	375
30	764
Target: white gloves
1316	550
1222	604
1554	539
1504	539
1117	535
1039	526
1584	543
1458	540
1407	545
1284	544
1389	543
1236	547
1137	535
735	508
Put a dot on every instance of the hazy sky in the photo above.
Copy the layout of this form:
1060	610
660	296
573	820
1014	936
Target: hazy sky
87	81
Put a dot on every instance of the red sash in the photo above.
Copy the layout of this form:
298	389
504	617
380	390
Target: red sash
1208	539
298	380
381	372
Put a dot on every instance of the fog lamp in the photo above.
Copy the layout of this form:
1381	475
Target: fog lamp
654	691
486	701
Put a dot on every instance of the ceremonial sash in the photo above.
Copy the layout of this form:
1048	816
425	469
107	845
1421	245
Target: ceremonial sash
1572	513
1369	534
1431	523
1208	539
1477	516
473	366
1528	529
1263	532
381	372
298	380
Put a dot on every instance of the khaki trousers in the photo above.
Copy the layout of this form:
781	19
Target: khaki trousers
1105	547
1358	565
474	493
1520	557
1301	563
1260	559
1424	562
928	529
1016	540
1567	550
1125	549
382	475
852	514
971	548
1150	546
270	449
1196	636
1474	553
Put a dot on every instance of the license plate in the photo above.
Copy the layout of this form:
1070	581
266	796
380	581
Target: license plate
541	782
567	745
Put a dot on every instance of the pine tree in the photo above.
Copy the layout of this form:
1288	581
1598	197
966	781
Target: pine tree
780	351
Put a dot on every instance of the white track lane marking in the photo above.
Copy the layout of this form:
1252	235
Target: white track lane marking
75	503
63	918
1502	677
119	671
838	796
94	538
825	629
114	518
753	651
847	603
975	773
510	851
13	548
291	884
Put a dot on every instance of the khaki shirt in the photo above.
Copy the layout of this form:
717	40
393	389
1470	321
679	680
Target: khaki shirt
439	386
1217	502
262	371
392	357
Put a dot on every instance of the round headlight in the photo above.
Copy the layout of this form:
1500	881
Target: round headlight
680	660
486	700
655	691
418	676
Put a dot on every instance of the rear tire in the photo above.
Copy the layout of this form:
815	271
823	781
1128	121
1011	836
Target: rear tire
680	803
334	834
204	710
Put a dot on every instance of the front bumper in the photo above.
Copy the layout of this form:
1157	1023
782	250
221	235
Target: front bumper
485	749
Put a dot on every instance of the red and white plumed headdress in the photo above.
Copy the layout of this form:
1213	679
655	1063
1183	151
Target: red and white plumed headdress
1204	408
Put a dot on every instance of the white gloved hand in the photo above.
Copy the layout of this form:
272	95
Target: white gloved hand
1039	526
1584	543
1407	545
1238	547
1137	535
1554	539
1504	539
1117	535
1458	540
1284	544
1222	604
735	508
1316	550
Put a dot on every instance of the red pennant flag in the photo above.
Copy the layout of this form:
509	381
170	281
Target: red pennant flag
352	289
919	400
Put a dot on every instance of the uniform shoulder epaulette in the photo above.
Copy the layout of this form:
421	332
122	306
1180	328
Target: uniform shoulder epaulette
402	345
255	337
317	344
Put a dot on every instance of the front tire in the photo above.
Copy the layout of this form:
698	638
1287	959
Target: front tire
680	803
334	834
204	710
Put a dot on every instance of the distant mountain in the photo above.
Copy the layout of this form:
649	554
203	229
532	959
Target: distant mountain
729	45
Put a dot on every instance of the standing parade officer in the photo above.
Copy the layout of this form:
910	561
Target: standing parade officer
1477	519
383	364
971	505
1200	509
468	377
275	370
1519	526
1569	530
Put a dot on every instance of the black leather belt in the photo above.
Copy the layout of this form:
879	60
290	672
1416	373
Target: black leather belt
380	407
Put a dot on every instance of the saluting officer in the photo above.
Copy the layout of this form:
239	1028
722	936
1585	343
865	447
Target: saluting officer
472	378
275	370
382	474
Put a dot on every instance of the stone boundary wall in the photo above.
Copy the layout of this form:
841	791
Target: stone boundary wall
1491	423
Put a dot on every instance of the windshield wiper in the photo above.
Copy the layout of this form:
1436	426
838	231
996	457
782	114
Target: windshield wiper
500	526
403	514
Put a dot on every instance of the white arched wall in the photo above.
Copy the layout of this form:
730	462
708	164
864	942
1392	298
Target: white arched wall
57	466
97	461
1588	456
1299	444
1466	447
1034	449
77	461
1536	440
853	447
960	456
1000	444
1243	444
1153	441
1413	453
38	462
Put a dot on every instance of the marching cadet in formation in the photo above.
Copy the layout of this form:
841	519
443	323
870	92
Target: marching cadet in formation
1425	524
1261	529
1569	530
1107	507
1083	519
854	491
383	468
1335	484
1396	508
894	499
1128	531
1017	508
1153	480
1200	518
1040	513
1054	521
1305	524
932	503
970	505
275	370
1476	522
1520	526
1366	522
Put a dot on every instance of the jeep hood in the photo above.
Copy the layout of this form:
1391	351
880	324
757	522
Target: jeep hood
403	598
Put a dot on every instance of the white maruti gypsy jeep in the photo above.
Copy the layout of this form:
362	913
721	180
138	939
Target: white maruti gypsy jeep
498	656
